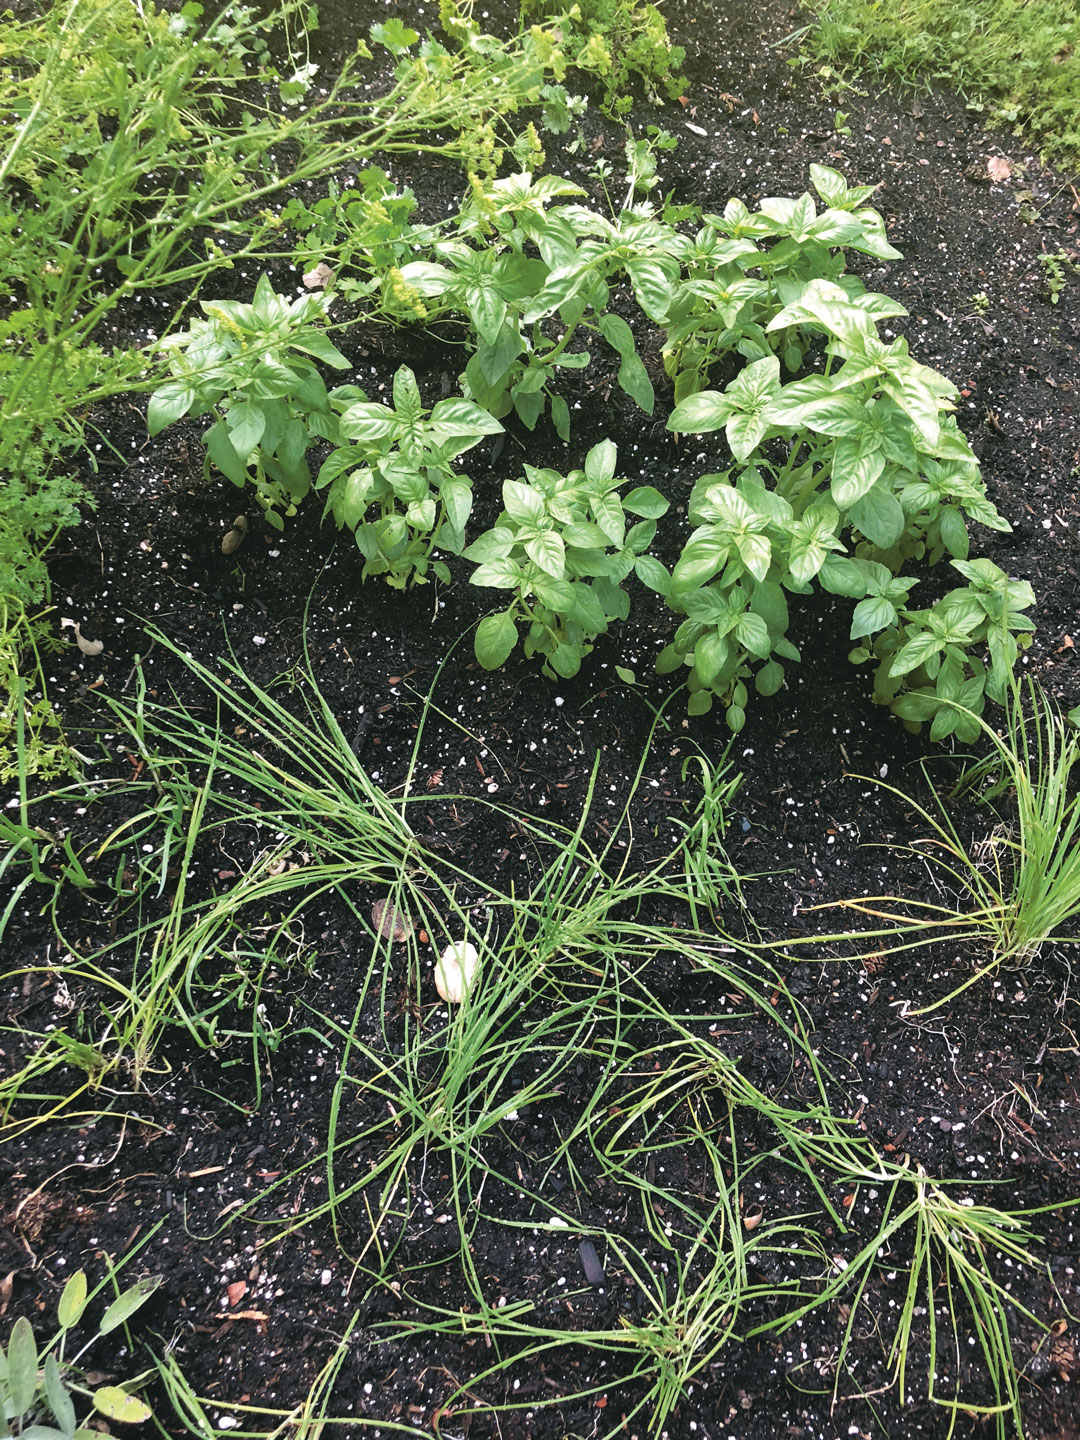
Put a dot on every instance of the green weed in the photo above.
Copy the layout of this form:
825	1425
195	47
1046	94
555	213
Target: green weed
1018	63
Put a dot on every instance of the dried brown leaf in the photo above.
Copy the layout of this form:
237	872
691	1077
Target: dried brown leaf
391	923
320	277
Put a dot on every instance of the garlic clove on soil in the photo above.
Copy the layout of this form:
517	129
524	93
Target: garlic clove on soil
456	971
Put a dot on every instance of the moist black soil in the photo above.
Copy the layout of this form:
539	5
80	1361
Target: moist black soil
982	1090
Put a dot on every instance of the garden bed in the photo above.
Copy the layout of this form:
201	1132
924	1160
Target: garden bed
575	1197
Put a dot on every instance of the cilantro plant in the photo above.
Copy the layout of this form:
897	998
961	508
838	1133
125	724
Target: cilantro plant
251	368
563	548
363	228
400	464
614	39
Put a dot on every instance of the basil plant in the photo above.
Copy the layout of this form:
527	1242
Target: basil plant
562	549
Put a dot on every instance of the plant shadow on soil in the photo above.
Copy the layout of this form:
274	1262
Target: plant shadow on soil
983	1090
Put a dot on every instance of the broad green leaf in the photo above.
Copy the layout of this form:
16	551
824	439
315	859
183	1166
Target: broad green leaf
314	342
915	705
462	417
355	498
735	717
806	555
560	417
558	595
923	645
168	404
586	610
487	311
529	406
835	227
496	636
707	410
918	401
457	497
22	1367
954	534
607	512
770	602
222	453
769	679
752	633
337	462
246	424
421	514
874	241
498	574
116	1404
633	377
700	703
626	676
600	462
565	661
710	656
496	359
840	576
125	1305
392	532
855	471
944	723
744	434
830	184
646	501
879	516
427	279
754	387
755	553
493	544
653	574
72	1301
59	1399
407	401
653	287
522	502
369	423
534	379
703	556
813	404
547	551
585	535
872	614
669	660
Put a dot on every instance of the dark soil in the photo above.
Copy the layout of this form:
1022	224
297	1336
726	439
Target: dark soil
982	1090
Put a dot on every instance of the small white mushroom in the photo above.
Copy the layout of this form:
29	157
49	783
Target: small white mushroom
88	647
456	971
